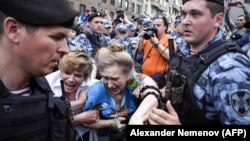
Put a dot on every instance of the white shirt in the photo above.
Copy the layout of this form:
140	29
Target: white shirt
55	84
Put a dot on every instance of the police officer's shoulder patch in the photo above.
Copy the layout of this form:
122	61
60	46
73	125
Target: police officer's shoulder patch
202	80
240	101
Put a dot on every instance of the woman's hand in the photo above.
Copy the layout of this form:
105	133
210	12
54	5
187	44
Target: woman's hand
117	123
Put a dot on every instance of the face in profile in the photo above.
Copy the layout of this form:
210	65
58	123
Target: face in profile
40	52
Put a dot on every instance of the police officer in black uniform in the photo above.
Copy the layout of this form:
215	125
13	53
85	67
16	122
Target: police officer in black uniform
32	40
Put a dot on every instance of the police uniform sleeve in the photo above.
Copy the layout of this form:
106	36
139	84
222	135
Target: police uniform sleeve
231	92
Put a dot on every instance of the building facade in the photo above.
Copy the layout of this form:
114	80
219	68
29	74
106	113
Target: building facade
148	8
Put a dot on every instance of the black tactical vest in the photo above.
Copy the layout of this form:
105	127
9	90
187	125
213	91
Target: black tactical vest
192	67
32	118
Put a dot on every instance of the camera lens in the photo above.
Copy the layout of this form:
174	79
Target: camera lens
146	36
120	16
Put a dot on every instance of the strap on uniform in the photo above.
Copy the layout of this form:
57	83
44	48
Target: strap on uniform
94	43
212	53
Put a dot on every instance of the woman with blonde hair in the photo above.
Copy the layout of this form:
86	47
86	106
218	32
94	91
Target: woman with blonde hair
74	77
116	94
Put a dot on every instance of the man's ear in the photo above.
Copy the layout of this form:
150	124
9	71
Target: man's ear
219	19
11	28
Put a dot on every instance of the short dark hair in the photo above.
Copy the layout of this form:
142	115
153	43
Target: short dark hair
214	6
244	16
164	18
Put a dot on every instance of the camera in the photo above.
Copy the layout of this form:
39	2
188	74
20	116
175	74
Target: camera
93	10
120	14
150	32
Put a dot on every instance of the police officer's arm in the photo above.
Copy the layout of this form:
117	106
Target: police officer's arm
149	102
161	117
230	91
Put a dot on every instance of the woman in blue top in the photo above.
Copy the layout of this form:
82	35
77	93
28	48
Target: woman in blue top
115	95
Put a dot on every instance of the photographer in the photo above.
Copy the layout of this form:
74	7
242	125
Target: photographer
154	45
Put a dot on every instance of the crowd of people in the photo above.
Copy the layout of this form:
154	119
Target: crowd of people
95	75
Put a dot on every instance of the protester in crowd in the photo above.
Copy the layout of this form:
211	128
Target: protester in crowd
246	47
244	41
32	40
73	32
74	72
220	93
236	27
112	95
83	17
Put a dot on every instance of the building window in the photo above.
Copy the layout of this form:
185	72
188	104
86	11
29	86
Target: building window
112	2
82	8
120	3
146	7
132	7
138	8
126	4
104	1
